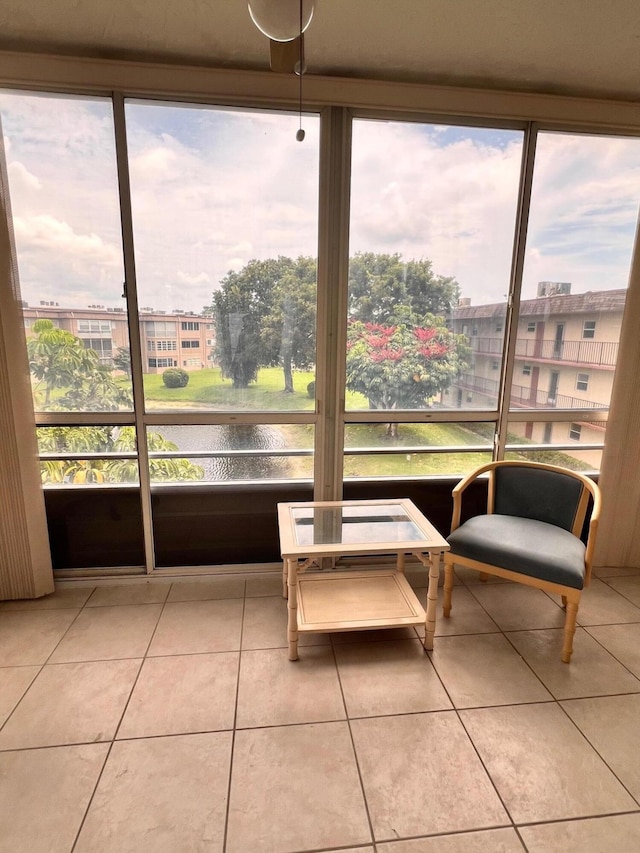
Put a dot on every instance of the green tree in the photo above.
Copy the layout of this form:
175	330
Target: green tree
379	284
122	360
265	316
95	440
288	333
59	361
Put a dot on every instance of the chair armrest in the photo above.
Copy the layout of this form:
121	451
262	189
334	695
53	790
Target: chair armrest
459	489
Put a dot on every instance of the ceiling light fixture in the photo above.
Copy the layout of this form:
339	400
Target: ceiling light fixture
284	23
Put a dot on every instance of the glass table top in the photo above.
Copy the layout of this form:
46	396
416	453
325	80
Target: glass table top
354	524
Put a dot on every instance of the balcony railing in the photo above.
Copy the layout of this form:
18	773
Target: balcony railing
524	397
599	353
541	399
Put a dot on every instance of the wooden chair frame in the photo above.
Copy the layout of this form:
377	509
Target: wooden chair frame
570	595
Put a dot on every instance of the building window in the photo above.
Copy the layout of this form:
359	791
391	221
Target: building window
474	331
499	326
495	365
162	362
526	370
94	326
582	382
589	329
160	328
162	346
531	327
190	344
465	329
103	346
575	431
190	326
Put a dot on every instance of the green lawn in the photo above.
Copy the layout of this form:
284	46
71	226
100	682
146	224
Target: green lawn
208	390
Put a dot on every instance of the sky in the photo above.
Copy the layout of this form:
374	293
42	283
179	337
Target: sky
212	189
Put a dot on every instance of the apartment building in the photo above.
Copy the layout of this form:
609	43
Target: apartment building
565	357
168	339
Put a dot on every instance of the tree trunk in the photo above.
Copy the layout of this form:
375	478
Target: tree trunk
288	376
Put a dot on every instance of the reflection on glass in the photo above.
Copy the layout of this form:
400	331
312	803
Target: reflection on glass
225	224
63	184
432	223
222	453
353	525
415	450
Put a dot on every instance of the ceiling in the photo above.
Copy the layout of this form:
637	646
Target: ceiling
581	47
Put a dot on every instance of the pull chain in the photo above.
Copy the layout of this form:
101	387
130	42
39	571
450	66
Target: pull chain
300	131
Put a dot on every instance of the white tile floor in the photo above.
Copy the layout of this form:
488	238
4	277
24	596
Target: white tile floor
167	718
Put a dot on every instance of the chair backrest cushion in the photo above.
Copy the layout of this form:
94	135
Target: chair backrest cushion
536	493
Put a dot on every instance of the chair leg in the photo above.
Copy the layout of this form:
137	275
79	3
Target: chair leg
448	587
484	577
569	631
564	601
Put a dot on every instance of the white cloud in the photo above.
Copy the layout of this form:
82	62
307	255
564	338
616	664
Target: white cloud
188	278
22	178
213	189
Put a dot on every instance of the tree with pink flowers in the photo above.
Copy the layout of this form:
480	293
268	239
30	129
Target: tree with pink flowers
403	364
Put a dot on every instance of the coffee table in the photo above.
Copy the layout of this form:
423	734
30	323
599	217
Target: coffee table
322	598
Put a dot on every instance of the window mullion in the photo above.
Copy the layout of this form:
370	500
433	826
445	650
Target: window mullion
333	271
131	295
515	288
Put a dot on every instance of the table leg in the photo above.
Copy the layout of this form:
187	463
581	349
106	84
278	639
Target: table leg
432	598
400	562
284	579
292	608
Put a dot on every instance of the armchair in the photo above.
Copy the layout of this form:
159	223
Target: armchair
531	532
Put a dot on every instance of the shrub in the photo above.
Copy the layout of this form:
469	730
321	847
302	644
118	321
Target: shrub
175	377
311	389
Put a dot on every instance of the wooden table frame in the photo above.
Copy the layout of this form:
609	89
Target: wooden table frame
373	593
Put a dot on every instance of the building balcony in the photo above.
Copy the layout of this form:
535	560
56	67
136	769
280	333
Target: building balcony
526	397
603	354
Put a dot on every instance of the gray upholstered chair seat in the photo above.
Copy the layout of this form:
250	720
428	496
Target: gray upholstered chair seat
523	545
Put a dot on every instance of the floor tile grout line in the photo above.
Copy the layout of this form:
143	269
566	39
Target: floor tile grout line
598	753
140	668
353	747
235	718
45	662
91	798
617	625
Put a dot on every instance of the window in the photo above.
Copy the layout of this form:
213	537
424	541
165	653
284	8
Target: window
94	326
162	362
103	346
582	382
162	346
158	328
221	240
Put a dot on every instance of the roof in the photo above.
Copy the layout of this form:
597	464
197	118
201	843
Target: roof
543	306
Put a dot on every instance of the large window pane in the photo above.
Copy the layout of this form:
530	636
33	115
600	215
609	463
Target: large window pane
415	450
432	225
66	217
222	453
584	210
225	226
87	456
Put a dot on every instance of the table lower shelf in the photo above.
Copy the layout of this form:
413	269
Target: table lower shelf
356	601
